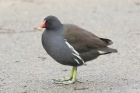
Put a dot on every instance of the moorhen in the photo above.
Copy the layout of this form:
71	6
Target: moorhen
71	45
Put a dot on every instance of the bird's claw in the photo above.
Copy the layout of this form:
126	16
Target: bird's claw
65	82
62	79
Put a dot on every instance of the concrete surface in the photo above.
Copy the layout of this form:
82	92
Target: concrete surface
25	67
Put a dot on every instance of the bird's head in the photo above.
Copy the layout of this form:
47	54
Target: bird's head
50	23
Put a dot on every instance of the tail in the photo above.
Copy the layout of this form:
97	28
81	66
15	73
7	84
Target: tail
107	50
107	41
105	53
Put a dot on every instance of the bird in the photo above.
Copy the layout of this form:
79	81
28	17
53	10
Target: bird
71	45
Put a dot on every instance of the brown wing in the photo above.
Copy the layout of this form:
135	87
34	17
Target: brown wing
82	40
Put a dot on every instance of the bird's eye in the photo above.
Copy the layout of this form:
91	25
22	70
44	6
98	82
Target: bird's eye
48	21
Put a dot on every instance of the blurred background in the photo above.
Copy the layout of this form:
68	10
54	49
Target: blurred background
25	67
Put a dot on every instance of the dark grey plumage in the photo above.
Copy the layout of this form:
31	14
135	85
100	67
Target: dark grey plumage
85	43
71	45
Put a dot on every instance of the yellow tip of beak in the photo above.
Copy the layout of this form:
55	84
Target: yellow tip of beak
40	28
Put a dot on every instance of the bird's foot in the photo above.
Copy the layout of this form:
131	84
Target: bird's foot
62	79
65	82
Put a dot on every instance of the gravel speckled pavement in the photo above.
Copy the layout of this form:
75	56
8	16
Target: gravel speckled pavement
25	67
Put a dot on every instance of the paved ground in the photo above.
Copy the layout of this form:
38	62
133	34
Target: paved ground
26	68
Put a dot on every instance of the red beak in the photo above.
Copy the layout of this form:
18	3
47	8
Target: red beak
43	25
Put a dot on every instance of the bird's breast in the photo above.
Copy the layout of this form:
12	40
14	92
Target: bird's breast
55	46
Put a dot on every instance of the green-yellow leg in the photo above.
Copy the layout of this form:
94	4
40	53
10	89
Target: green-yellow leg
69	80
66	78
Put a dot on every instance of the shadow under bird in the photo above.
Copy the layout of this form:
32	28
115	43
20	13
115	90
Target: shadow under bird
71	45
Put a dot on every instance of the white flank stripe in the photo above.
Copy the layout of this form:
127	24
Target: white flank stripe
71	47
76	61
75	53
79	58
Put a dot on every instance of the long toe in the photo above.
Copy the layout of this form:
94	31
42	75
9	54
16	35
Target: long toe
65	82
62	79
